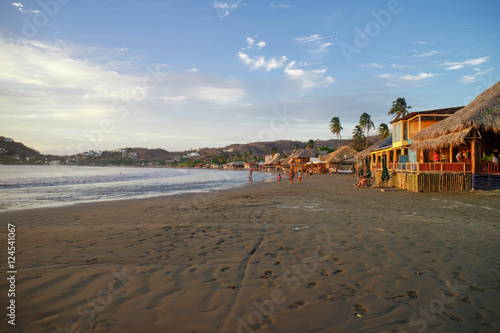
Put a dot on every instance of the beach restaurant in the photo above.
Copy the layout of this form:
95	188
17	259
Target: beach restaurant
441	150
341	160
299	159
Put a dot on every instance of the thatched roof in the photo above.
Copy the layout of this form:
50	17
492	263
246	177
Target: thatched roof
386	143
275	160
483	114
299	153
340	154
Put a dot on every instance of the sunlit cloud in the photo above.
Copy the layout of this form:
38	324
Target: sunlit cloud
470	62
307	79
261	62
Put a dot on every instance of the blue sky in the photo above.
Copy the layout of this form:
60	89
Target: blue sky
79	75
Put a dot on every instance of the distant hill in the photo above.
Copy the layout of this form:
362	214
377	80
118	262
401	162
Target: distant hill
10	149
14	151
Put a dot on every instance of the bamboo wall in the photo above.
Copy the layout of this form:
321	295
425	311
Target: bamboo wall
428	182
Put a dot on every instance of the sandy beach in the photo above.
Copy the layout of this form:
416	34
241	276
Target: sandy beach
321	256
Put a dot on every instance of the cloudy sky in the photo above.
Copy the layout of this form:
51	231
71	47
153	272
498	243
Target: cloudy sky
101	74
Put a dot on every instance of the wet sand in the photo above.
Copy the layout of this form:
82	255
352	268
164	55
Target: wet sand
322	256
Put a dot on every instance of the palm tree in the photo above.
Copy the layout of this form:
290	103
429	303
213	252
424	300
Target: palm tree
357	133
399	108
336	128
383	131
366	123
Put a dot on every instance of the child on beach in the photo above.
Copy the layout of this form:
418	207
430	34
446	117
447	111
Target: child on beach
291	177
299	177
279	179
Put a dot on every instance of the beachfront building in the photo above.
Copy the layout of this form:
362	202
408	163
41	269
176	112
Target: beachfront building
251	165
441	150
236	165
299	159
340	161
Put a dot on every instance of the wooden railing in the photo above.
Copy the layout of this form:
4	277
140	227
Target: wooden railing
488	167
432	167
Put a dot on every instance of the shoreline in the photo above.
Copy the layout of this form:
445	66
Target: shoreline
318	256
58	204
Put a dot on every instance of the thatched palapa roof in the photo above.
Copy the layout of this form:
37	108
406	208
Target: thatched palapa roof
275	160
299	153
340	154
482	114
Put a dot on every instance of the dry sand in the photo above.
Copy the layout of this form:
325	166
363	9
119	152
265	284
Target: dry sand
322	256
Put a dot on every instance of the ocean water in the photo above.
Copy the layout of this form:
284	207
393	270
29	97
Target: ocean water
24	187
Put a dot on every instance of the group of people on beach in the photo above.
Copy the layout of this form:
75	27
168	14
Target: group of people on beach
291	176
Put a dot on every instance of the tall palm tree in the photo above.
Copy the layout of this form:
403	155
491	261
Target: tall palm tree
383	131
366	123
357	133
399	108
336	128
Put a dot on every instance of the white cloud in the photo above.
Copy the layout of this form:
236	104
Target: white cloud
372	65
307	79
252	45
426	54
224	8
317	42
420	42
407	77
309	39
475	77
418	77
469	62
260	62
281	5
20	7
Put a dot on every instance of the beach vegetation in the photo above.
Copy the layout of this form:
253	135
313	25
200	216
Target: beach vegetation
310	144
336	128
383	131
366	123
326	148
399	108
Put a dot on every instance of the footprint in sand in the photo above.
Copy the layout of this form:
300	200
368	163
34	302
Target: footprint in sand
223	269
360	310
453	317
474	288
311	285
297	305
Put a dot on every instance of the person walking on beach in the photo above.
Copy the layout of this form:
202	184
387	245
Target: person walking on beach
291	177
250	175
279	179
299	177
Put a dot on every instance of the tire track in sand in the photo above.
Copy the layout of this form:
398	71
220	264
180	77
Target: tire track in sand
241	277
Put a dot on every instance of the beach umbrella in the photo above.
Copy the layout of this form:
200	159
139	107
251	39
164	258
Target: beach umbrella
385	172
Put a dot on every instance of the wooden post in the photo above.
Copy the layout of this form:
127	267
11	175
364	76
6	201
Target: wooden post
451	154
473	156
